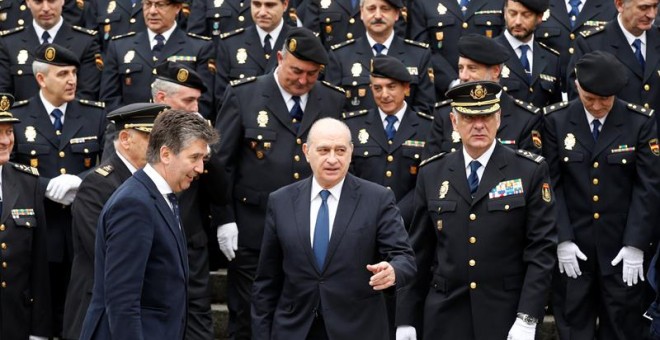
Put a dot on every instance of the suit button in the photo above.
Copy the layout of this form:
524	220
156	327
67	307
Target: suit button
366	153
472	263
646	105
595	198
2	227
465	25
565	159
389	142
596	216
388	173
571	50
86	150
438	225
624	161
595	165
505	88
647	87
595	181
23	7
453	149
472	240
20	72
416	156
3	246
296	175
390	158
217	15
489	23
33	152
62	154
132	21
351	20
298	141
244	199
572	36
21	22
506	207
4	264
62	171
3	284
241	18
473	217
473	285
27	224
327	19
349	35
106	20
296	158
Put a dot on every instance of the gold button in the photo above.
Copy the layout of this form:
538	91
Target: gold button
390	158
595	198
646	105
296	175
20	72
545	35
217	15
349	35
472	263
416	156
596	216
3	245
366	153
473	240
595	181
327	19
488	23
438	225
389	142
23	7
244	199
62	154
241	18
63	171
86	150
571	50
647	87
565	159
27	224
506	207
439	209
351	20
473	217
2	227
624	161
465	25
260	137
473	285
354	83
296	158
388	173
4	284
298	141
33	152
132	21
106	20
453	149
4	264
505	88
595	165
572	36
206	171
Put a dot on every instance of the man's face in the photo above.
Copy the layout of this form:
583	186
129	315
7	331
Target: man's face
58	84
329	155
186	99
296	76
597	105
637	15
181	169
520	21
46	13
477	131
378	17
389	94
469	70
134	144
6	141
267	14
160	15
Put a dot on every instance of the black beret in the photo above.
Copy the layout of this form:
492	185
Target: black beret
395	3
180	74
601	73
138	116
383	66
6	101
482	49
56	55
538	6
475	97
304	45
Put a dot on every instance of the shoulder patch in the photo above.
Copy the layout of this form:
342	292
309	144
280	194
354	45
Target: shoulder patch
592	31
442	103
11	31
234	32
416	43
92	103
552	50
105	170
197	36
123	35
238	82
425	115
20	103
532	156
26	169
342	44
334	87
352	114
554	107
431	159
640	109
527	106
84	30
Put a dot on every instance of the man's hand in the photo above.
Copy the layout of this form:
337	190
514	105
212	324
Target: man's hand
406	332
633	264
384	276
60	186
568	254
228	239
521	331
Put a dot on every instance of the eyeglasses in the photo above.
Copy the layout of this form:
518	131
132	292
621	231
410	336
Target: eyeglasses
158	5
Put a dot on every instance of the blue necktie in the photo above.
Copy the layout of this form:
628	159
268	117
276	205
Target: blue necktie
525	62
464	4
637	44
390	131
575	10
596	131
175	207
58	120
322	230
473	179
379	48
158	48
45	38
354	3
296	112
268	49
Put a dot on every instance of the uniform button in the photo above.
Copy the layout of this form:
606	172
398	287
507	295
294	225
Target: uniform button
349	35
472	240
388	173
132	21
565	159
27	224
416	156
595	198
351	20
505	88
20	72
572	36
3	245
506	207
473	285
465	25
2	227
296	158
472	263
244	199
646	105
62	170
106	20
217	15
206	171
390	142
389	188
354	83
327	19
241	18
33	152
571	50
260	137
453	149
62	154
595	165
390	158
4	264
298	141
595	181
23	7
488	23
21	22
473	217
4	284
596	216
647	87
439	225
296	175
86	150
624	161
366	153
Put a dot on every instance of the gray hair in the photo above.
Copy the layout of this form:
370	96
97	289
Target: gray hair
167	87
39	67
327	123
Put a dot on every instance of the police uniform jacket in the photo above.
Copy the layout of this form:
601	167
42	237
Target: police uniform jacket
75	152
25	294
393	165
112	18
349	68
129	67
545	85
520	127
13	13
480	260
17	48
605	189
261	150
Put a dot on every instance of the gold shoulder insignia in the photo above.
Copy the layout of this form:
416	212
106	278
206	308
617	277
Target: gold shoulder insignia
552	50
431	159
342	44
92	103
334	87
416	43
592	31
442	103
20	103
234	32
123	35
554	107
529	155
425	115
527	106
238	82
352	114
26	169
197	36
84	30
105	170
11	31
640	109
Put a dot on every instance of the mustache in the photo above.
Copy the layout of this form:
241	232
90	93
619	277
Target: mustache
378	21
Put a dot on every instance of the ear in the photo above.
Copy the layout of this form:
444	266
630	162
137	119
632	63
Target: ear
124	139
452	116
41	79
165	154
305	149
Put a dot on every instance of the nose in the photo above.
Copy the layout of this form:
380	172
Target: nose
194	107
464	75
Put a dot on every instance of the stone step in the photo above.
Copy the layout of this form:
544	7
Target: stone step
218	280
220	318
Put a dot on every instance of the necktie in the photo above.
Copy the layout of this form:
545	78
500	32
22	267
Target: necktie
267	47
158	48
57	114
354	3
525	62
575	10
296	112
45	38
175	207
596	130
379	48
473	179
464	4
390	131
322	230
637	44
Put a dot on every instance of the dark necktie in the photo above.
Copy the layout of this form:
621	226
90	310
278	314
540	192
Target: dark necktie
267	47
596	130
322	230
637	44
464	4
473	179
296	112
175	207
355	3
379	48
158	48
525	62
573	13
45	38
390	131
57	123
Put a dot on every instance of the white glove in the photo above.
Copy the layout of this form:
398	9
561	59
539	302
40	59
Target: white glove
34	337
568	254
521	331
633	264
68	198
228	239
406	332
59	186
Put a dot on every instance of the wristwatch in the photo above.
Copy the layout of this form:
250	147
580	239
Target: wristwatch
528	319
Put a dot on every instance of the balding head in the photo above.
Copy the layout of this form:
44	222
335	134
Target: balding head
328	150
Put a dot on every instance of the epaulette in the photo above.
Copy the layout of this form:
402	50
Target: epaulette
11	31
416	43
425	115
20	103
431	159
84	30
334	87
342	44
527	106
27	169
123	35
549	48
442	103
92	103
197	36
640	109
105	170
234	32
529	155
591	31
554	107
352	114
238	82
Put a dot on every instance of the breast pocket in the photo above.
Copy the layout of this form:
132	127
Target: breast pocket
547	32
24	229
243	72
506	204
260	141
21	70
32	150
439	211
571	156
621	158
108	18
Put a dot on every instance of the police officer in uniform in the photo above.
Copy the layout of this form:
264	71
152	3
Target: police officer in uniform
24	291
533	76
603	155
134	122
349	61
62	137
13	13
263	122
483	233
482	59
111	18
17	47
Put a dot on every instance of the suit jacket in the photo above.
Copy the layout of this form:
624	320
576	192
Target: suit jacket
483	259
25	294
350	63
289	288
545	85
17	48
625	164
112	18
140	267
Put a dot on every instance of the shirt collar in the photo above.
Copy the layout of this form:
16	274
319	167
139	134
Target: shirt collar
399	114
629	36
50	107
128	164
166	35
274	34
158	180
515	42
591	118
334	191
387	42
286	95
52	31
483	159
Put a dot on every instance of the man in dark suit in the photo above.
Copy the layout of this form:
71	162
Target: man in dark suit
483	233
533	76
312	274
603	156
13	13
112	18
263	122
63	138
520	127
24	294
134	122
18	45
141	274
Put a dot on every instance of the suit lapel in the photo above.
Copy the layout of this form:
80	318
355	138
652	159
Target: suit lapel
142	46
559	11
275	103
457	175
302	204
492	173
42	122
254	48
514	62
621	49
174	44
580	125
272	61
63	36
350	197
377	132
610	130
10	191
406	129
540	62
72	123
506	105
312	109
652	53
